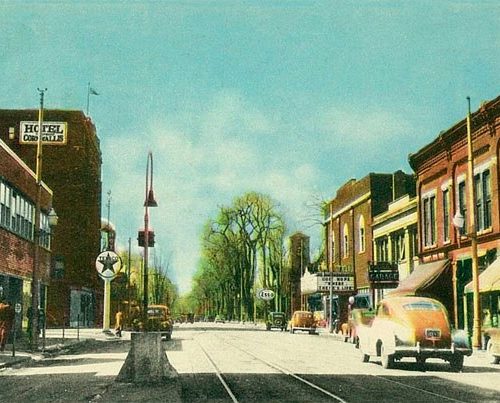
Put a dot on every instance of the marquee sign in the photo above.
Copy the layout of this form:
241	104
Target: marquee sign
384	275
338	282
54	133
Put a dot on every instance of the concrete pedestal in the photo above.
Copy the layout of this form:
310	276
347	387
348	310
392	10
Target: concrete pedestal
146	361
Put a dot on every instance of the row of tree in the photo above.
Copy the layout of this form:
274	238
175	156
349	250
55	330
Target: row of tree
243	251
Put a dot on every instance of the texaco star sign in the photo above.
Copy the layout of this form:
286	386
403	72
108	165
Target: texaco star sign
108	264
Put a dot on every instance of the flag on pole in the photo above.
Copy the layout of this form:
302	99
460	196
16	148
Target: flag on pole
93	91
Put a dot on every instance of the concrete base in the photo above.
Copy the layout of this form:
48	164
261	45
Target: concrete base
146	361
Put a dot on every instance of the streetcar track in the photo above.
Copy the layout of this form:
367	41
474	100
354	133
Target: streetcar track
419	389
319	388
269	364
219	374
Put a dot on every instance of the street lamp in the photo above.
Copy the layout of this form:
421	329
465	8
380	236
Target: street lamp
149	201
459	222
52	220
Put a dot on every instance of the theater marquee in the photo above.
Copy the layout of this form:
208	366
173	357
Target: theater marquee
54	133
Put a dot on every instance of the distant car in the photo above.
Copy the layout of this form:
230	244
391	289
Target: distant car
304	321
219	319
412	327
276	320
492	337
159	320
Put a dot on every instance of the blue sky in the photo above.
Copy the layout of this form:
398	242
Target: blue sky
289	98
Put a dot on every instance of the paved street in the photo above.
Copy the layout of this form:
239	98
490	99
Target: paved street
229	362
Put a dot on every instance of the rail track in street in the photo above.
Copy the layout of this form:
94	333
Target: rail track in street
232	394
317	391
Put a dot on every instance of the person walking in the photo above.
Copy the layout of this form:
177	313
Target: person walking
118	323
6	319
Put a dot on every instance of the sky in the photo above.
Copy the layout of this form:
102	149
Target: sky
287	98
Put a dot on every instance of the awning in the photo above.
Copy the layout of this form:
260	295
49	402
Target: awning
422	277
489	279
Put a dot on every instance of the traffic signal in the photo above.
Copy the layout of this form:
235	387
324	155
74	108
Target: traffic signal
151	238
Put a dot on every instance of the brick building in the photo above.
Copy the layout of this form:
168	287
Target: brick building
18	193
348	221
441	168
299	260
72	169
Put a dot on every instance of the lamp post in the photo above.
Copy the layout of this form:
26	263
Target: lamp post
476	330
35	291
459	222
149	201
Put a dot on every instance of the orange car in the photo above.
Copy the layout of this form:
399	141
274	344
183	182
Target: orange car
412	327
303	320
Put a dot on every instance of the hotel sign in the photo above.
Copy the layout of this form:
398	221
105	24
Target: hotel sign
54	133
384	275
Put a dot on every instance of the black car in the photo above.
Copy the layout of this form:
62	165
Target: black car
276	320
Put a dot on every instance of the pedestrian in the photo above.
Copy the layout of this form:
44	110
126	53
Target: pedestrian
118	323
6	319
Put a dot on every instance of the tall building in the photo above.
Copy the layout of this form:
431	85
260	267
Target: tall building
72	169
348	228
442	191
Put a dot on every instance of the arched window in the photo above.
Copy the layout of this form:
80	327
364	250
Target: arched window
362	234
346	241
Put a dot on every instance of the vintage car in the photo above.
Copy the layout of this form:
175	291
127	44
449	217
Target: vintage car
492	339
358	317
276	320
159	320
412	327
303	320
219	319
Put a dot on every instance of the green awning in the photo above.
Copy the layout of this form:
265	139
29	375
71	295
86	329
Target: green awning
489	279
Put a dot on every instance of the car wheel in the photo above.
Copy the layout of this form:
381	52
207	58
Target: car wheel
420	362
365	357
457	362
168	336
386	359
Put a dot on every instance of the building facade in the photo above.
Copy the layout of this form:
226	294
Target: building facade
299	260
395	242
442	192
72	169
347	225
18	193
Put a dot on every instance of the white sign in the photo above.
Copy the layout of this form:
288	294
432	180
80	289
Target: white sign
266	295
108	264
52	133
322	282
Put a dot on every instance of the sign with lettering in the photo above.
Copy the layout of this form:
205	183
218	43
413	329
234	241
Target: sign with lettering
108	264
384	275
338	282
266	295
54	133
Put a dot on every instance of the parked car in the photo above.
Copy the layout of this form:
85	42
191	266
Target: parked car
492	338
412	327
160	320
219	319
276	320
358	317
302	320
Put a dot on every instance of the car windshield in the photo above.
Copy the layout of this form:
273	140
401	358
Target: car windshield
155	311
421	306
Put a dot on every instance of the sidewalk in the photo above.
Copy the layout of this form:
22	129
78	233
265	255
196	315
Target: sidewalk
55	341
